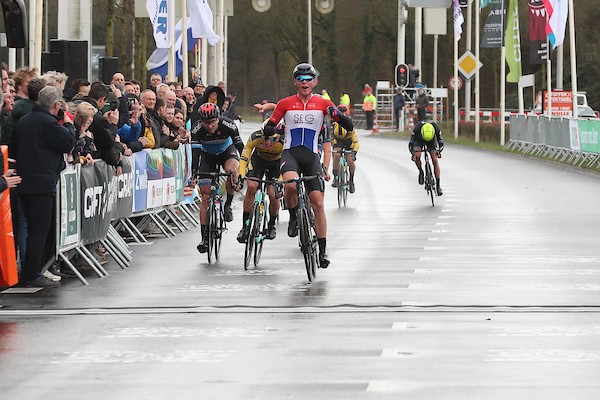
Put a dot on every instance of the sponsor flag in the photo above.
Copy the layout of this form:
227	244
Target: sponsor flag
158	61
202	21
458	20
538	45
558	11
492	35
157	10
512	40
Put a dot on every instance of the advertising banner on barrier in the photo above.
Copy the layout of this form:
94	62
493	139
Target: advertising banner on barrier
574	135
94	202
155	175
140	192
179	172
169	188
120	191
70	206
589	134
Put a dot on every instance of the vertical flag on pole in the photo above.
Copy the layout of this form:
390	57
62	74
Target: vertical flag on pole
201	17
157	10
512	41
538	44
458	20
558	11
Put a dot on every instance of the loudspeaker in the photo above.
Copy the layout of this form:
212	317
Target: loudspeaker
107	68
52	62
74	58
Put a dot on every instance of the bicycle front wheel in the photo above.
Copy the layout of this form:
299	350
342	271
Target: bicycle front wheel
306	243
346	184
341	181
251	236
210	220
430	183
261	229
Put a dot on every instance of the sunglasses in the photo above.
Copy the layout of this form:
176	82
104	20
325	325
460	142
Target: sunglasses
299	79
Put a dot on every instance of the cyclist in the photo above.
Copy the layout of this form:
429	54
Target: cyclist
221	145
344	140
427	136
304	114
259	158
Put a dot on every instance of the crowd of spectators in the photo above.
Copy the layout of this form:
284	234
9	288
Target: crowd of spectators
45	124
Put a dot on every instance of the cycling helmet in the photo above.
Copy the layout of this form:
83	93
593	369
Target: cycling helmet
209	111
305	69
427	132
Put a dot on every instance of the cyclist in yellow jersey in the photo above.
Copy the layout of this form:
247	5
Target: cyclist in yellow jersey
346	140
259	158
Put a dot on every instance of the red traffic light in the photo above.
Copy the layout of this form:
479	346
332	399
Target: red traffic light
402	75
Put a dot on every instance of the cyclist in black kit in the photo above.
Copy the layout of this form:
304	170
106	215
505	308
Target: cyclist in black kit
427	136
221	146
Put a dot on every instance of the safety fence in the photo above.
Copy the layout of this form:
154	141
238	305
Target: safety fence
569	140
93	204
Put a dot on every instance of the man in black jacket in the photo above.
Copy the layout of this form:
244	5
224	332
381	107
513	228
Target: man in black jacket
40	142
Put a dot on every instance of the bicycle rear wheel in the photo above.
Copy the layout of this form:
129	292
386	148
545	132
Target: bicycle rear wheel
251	236
219	227
346	183
261	229
306	242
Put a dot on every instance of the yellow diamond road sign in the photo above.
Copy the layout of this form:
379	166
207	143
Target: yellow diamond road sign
468	64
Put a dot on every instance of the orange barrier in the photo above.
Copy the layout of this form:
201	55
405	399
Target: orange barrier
8	264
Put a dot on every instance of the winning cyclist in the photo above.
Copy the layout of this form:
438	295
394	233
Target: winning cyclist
303	115
344	140
221	145
427	136
261	157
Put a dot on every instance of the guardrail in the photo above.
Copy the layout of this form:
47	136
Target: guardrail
572	140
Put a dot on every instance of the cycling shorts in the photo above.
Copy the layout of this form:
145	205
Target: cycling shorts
260	167
305	162
212	162
421	145
345	144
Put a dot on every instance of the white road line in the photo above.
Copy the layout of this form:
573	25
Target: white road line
377	386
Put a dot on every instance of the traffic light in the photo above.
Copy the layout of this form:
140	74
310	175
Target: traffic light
402	75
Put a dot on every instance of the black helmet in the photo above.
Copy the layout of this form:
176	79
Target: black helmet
305	69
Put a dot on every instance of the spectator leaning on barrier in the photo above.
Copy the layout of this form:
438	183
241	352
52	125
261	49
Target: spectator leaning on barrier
131	133
41	142
85	149
104	127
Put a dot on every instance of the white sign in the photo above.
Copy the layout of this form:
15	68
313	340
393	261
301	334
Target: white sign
435	21
439	93
527	81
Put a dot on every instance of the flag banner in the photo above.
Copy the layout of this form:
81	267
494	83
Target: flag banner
202	21
159	60
557	10
157	10
458	21
513	43
69	206
538	44
491	36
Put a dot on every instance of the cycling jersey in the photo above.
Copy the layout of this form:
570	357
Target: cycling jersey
343	138
303	121
219	141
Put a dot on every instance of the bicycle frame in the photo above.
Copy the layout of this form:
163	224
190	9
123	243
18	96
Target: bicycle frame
429	178
258	222
343	177
215	217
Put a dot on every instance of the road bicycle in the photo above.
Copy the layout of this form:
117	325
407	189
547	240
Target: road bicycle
343	177
306	225
215	215
429	179
258	222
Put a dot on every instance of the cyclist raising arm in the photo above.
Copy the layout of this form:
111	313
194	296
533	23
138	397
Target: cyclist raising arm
221	145
303	115
427	136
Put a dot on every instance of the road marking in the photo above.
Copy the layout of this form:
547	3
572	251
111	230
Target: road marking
399	326
270	287
21	290
549	355
377	386
139	357
394	353
445	216
178	331
442	224
545	331
435	248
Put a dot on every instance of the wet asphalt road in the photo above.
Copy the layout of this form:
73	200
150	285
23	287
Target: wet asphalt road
493	293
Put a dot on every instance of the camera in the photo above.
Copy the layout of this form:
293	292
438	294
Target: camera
108	87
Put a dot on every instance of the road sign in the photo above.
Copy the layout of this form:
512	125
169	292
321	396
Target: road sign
468	64
453	81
